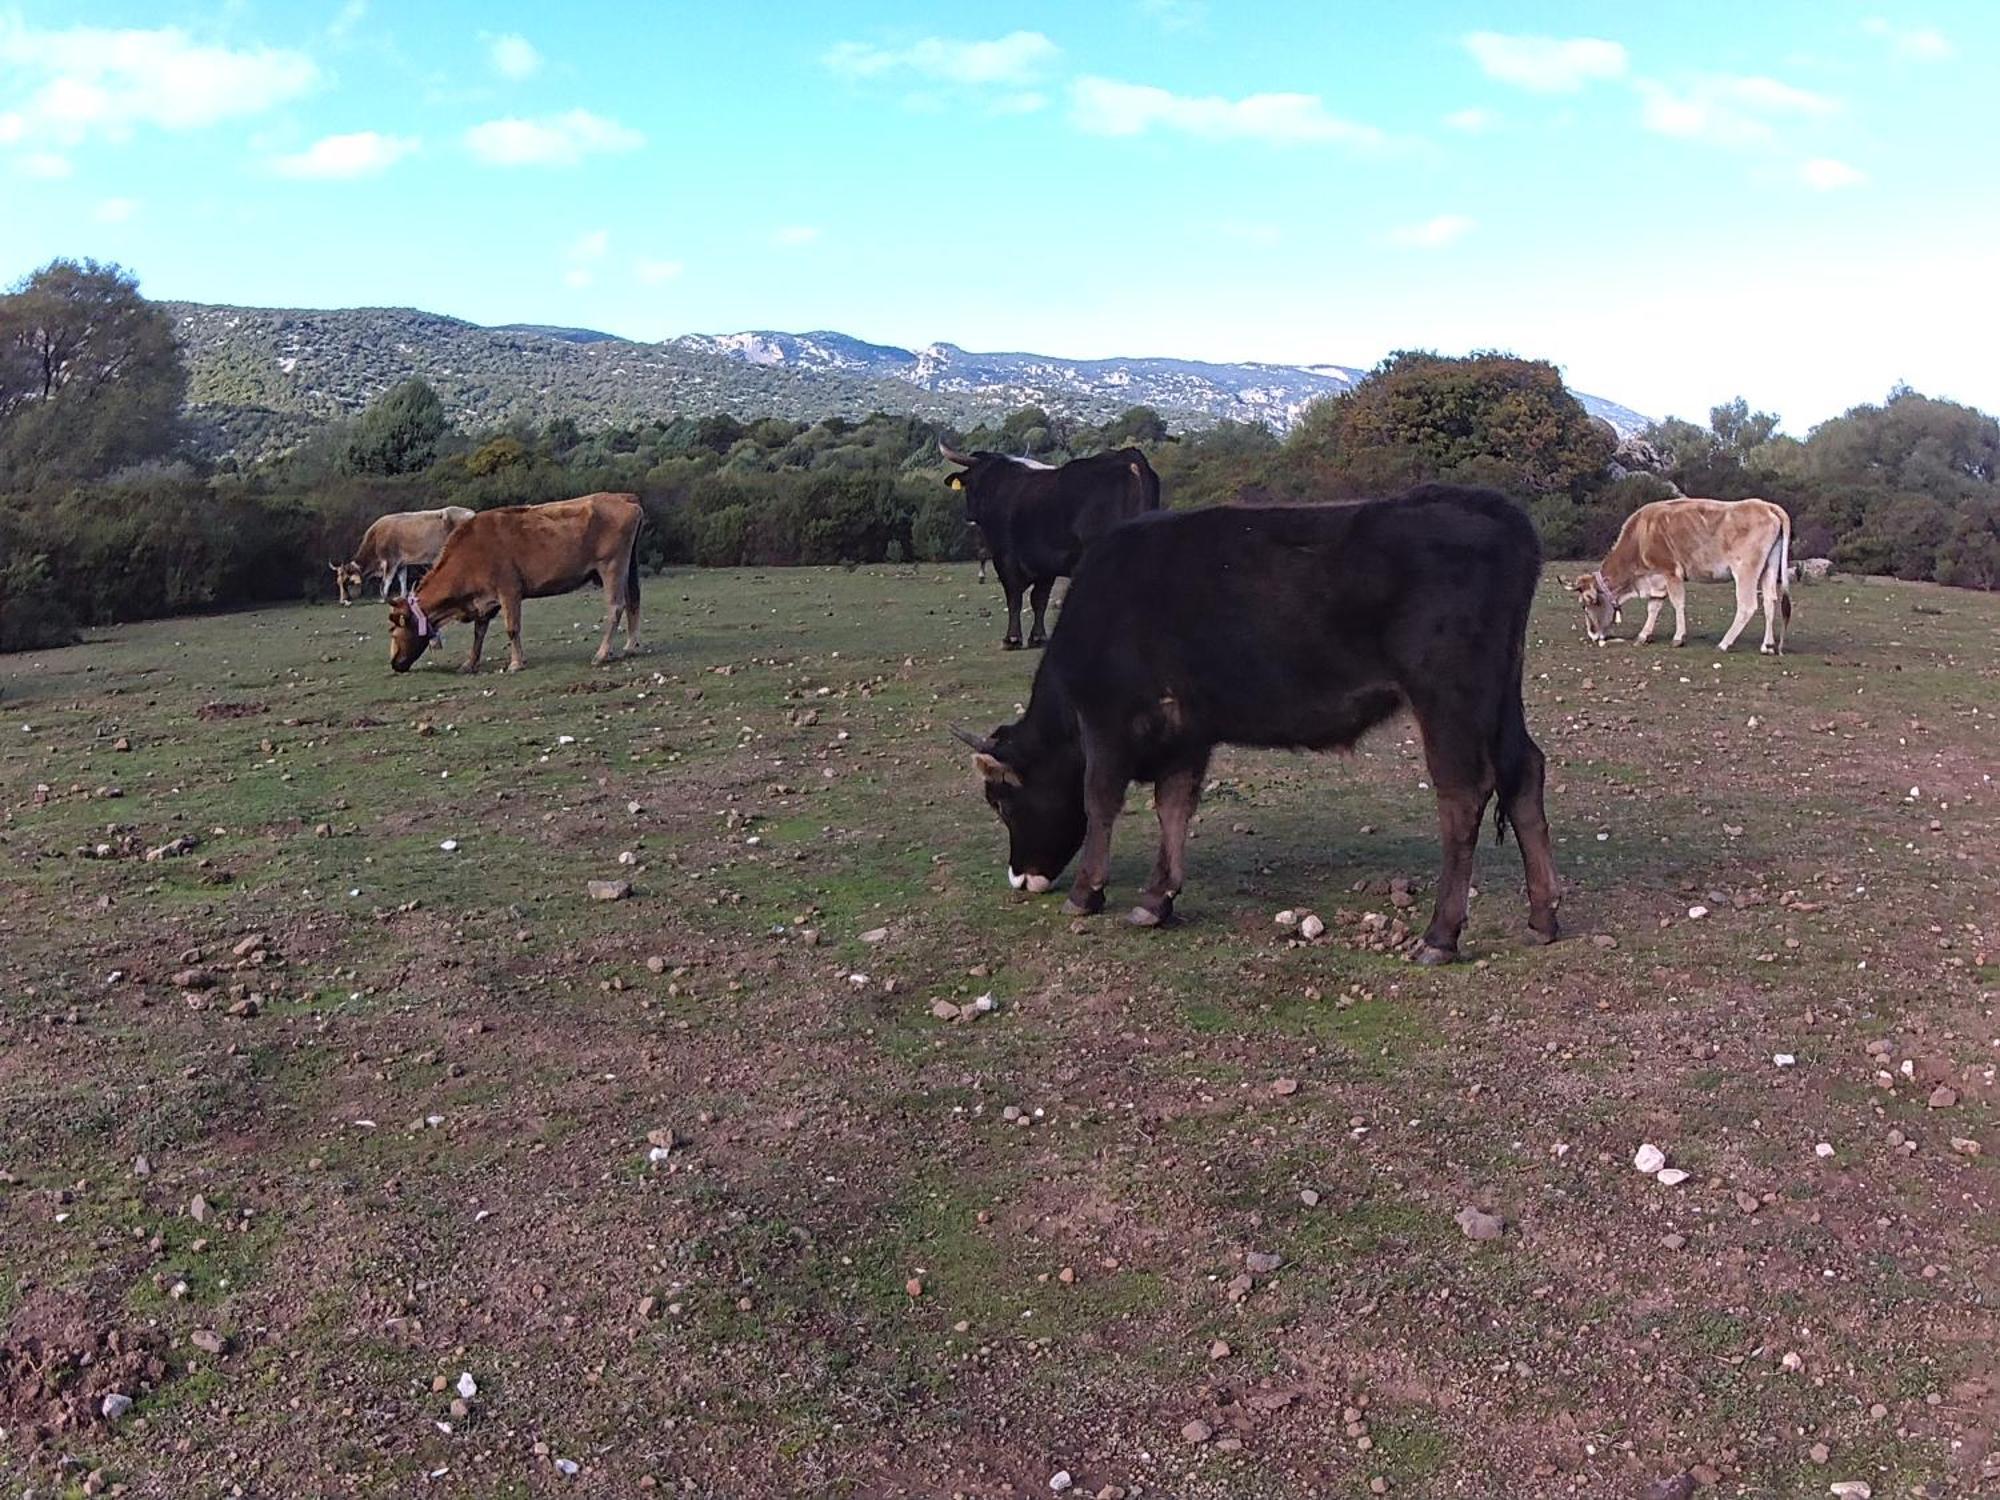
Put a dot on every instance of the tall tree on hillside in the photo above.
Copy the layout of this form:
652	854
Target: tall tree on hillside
1740	429
399	432
91	378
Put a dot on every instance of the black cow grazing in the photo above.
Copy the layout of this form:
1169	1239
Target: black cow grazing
1037	520
1297	627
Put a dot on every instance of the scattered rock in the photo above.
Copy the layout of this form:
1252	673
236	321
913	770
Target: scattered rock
1670	1177
1677	1487
198	1209
116	1404
1748	1202
1696	913
1197	1432
1285	1086
609	890
1964	1146
1311	928
1850	1489
1649	1158
1219	1349
467	1386
1943	1097
208	1341
1060	1480
1783	1059
875	935
1287	918
1309	1197
1673	1241
1604	940
1480	1225
1262	1262
914	1287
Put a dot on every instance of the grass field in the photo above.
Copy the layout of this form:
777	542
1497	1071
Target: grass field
707	1199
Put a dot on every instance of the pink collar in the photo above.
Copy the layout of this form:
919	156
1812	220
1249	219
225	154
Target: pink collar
424	631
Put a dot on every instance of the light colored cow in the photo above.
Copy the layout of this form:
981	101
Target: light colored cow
395	544
1664	545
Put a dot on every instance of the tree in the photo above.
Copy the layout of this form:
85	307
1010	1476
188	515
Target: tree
1485	418
399	432
1137	424
1739	429
91	378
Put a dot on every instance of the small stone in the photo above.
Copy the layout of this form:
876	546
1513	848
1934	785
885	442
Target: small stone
914	1287
1649	1158
121	744
1706	1475
1943	1097
208	1341
1197	1432
1673	1241
875	935
248	945
1784	1060
1748	1202
1309	1197
944	1010
1823	1150
609	890
198	1209
467	1386
449	846
1378	1486
1219	1349
1060	1480
246	1008
141	1167
1604	940
1820	1453
1287	918
1696	913
1675	1487
115	1405
1285	1087
1311	928
1850	1489
567	1466
1262	1262
647	1306
1670	1177
1964	1146
1480	1225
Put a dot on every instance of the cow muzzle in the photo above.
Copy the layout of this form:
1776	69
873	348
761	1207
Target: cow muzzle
1034	885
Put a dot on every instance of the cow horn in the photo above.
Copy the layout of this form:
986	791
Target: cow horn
983	746
952	456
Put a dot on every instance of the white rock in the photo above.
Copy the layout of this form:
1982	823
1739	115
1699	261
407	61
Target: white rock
565	739
985	1002
1823	1150
116	1404
1696	913
567	1465
1287	918
467	1386
1784	1059
1850	1489
449	846
658	1154
1671	1177
1649	1158
875	935
1060	1480
1311	928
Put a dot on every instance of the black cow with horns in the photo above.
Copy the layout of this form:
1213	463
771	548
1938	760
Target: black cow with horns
1037	520
1295	627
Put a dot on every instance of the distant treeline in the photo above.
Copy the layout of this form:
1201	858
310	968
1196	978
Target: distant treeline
105	516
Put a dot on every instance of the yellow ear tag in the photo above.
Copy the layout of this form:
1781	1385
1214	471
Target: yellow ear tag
956	481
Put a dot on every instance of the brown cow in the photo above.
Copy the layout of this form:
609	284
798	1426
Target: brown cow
1663	545
500	557
393	545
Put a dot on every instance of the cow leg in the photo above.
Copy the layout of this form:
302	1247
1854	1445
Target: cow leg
1105	776
1012	639
1677	595
1652	619
479	624
1772	590
1462	772
615	599
1746	606
1038	598
1175	795
1525	810
632	627
510	616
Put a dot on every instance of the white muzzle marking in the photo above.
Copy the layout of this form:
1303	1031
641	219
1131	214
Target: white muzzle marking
1016	882
1034	885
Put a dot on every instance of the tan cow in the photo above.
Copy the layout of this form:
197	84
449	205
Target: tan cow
500	557
1663	545
395	544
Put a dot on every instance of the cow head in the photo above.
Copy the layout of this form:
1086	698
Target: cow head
346	580
410	632
1038	792
1600	604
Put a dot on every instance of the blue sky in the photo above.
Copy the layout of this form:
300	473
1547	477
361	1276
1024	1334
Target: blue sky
1791	199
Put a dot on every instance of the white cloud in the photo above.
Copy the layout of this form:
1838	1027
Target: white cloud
1546	64
1018	57
1105	106
513	56
1471	121
362	153
1432	234
1176	15
1018	104
653	272
114	210
1724	110
552	141
91	82
346	19
793	236
583	254
1825	174
47	165
1916	43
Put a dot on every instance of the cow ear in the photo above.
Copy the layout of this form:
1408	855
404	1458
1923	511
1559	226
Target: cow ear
995	770
954	481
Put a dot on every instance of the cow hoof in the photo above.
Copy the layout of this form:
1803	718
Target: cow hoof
470	669
1010	645
1146	916
1089	906
1430	955
1767	650
1540	937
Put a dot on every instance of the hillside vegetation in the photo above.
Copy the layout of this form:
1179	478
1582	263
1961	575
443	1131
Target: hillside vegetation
110	508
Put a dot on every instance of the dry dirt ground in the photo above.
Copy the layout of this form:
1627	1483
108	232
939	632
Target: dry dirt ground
326	1089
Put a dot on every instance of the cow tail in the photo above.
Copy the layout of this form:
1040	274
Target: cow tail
1513	749
632	563
1785	569
1149	483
